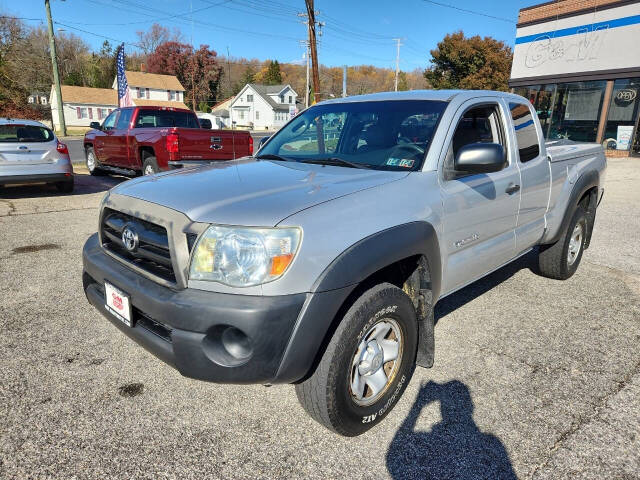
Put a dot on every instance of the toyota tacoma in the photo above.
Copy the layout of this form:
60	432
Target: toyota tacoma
319	260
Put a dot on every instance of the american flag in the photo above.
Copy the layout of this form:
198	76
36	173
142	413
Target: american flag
124	96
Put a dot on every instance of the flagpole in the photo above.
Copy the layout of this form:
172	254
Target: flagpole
118	76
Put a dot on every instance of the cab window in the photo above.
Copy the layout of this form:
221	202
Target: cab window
110	121
480	124
124	119
526	132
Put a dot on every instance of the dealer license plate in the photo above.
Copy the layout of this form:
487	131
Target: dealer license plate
117	302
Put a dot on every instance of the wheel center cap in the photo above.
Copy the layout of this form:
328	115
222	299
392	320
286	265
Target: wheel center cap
371	358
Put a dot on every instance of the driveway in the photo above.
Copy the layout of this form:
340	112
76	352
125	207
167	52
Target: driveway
533	378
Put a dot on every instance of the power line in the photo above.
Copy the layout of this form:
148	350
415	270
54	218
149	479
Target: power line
98	35
22	18
159	19
473	12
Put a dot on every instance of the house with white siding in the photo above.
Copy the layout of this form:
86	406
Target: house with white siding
152	86
263	107
83	105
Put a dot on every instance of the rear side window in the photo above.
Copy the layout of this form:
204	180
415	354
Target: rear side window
526	132
165	118
24	133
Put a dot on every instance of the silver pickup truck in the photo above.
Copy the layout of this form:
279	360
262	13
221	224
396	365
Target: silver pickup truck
319	260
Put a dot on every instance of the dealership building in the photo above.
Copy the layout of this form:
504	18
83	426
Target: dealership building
578	62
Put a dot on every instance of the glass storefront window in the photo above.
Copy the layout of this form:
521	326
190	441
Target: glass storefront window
567	110
542	98
623	114
576	110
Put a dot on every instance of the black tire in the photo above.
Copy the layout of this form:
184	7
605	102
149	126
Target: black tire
150	165
553	260
66	186
327	396
92	166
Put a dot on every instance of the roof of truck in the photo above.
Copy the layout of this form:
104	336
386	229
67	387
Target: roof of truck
437	95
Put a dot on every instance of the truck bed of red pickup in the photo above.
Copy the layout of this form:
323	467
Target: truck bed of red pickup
151	139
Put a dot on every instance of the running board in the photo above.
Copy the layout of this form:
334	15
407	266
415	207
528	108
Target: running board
120	171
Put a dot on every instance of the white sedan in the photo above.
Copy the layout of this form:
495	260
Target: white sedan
31	153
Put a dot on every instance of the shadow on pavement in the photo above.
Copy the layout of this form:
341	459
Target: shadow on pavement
453	448
480	287
85	184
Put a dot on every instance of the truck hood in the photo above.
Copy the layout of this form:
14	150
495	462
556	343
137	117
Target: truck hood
251	192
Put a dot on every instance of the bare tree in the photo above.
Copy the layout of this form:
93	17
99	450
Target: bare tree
156	35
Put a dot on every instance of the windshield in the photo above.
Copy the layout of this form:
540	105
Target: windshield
24	133
384	135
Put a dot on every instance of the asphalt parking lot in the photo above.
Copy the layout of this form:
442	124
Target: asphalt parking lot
533	378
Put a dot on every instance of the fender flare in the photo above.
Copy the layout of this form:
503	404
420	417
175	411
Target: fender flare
584	183
340	279
381	249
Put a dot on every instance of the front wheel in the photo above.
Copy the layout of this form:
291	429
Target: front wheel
367	364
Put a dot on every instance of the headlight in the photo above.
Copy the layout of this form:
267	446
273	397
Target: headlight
243	257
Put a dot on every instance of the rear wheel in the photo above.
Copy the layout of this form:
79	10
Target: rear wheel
65	186
150	166
92	162
367	364
560	260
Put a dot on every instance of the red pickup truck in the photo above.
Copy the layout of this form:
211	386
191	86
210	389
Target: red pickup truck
147	140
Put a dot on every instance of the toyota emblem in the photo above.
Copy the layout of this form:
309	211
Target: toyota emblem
129	238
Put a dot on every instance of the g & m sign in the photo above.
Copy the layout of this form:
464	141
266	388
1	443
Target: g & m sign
587	43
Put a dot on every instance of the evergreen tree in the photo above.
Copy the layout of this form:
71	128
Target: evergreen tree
273	76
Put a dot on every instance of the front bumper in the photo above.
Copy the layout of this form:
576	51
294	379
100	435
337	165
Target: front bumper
209	336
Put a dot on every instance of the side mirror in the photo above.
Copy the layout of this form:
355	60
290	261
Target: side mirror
480	158
95	125
205	123
263	140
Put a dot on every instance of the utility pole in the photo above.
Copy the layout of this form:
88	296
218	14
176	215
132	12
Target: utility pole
193	67
229	71
344	81
397	40
56	74
311	24
306	88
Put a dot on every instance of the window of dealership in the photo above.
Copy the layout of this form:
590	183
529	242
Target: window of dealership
580	68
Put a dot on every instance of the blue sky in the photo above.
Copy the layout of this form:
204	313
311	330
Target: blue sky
356	31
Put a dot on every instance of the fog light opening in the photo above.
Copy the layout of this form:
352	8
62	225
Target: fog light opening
236	343
228	346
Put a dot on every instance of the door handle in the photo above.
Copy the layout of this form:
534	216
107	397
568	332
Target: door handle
216	147
512	188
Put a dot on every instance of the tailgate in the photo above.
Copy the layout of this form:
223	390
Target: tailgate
200	144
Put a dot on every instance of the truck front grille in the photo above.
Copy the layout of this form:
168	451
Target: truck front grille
151	253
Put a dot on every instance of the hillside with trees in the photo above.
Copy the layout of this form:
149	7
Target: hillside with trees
25	67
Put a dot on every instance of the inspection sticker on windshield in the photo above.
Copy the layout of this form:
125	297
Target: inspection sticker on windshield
400	162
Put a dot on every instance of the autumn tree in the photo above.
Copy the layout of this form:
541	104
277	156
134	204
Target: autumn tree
199	72
470	63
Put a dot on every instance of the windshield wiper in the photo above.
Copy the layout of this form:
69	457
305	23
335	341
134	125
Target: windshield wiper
271	156
336	161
